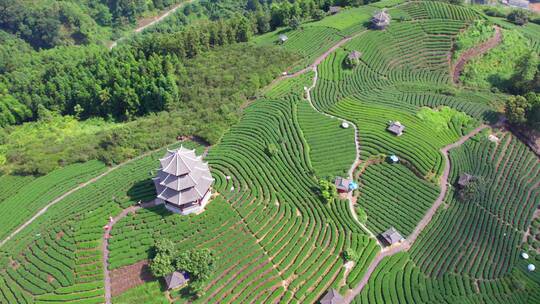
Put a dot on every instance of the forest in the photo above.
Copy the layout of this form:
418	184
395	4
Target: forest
136	78
115	98
45	24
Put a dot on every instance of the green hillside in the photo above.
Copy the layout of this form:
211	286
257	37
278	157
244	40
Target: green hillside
85	130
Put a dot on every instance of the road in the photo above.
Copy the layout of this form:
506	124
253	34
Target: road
313	67
407	243
158	19
61	197
443	181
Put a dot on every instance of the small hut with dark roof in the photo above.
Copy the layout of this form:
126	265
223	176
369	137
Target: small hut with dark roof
183	182
334	9
354	55
381	19
176	279
345	184
332	296
465	179
392	236
396	127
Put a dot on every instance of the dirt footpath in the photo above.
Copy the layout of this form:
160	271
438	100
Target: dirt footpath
474	52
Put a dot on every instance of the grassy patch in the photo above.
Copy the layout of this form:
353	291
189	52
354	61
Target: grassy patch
346	18
149	293
479	32
307	41
290	86
441	119
497	66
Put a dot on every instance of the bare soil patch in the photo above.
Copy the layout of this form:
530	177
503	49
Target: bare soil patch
60	235
130	276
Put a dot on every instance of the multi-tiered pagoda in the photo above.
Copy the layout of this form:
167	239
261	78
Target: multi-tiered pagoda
381	20
183	182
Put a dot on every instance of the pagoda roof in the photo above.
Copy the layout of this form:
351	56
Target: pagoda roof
183	178
381	19
179	162
382	15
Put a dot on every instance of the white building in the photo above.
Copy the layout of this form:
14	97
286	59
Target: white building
524	4
183	182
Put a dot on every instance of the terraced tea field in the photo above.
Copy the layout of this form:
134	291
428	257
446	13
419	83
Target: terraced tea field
36	193
331	147
393	196
275	239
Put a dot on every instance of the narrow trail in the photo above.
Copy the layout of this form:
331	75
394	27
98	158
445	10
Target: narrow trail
356	143
157	19
63	196
313	67
317	61
388	251
407	243
105	245
474	52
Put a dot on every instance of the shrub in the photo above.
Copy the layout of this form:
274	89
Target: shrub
162	263
494	12
318	14
328	191
350	255
519	17
271	149
474	189
350	62
199	263
362	215
293	23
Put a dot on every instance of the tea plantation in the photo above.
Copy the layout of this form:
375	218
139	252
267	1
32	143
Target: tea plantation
275	238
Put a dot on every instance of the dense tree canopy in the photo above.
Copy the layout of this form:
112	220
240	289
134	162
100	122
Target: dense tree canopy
134	79
524	108
163	262
49	23
519	17
208	103
199	263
